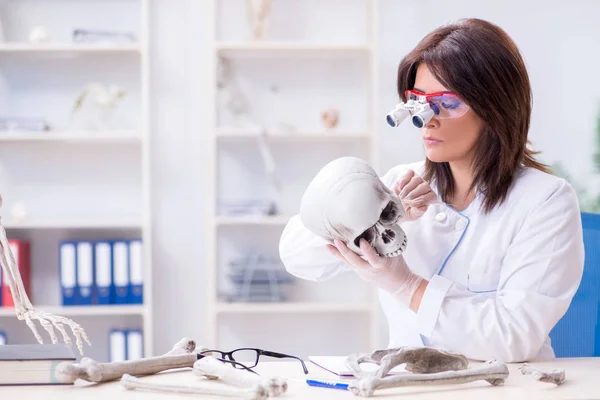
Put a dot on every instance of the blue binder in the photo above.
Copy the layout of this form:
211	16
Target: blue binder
68	272
117	345
135	344
121	272
136	273
2	338
85	272
103	281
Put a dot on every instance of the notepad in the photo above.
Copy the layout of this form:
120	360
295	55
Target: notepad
337	365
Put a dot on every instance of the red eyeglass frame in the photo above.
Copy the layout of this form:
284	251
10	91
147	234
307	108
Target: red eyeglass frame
429	95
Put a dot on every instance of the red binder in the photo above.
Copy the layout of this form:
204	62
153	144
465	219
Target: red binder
20	250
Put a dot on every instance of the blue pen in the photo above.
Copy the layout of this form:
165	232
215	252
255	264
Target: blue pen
325	384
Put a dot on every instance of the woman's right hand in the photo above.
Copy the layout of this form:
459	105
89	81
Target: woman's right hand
415	194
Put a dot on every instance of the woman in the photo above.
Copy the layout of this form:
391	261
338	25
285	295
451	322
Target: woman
495	251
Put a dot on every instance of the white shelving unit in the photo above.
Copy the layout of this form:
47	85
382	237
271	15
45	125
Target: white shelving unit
75	183
313	71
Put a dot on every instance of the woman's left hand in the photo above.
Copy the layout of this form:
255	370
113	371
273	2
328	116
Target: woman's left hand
415	194
389	273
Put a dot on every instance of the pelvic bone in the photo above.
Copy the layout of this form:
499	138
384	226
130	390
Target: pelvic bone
417	359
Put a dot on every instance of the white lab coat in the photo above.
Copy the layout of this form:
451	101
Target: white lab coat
498	283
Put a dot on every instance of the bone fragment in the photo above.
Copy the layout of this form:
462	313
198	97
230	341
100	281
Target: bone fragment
181	355
212	368
556	376
257	392
423	360
494	373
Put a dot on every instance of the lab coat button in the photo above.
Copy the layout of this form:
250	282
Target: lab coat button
440	217
460	224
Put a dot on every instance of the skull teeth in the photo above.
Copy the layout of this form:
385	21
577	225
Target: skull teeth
399	251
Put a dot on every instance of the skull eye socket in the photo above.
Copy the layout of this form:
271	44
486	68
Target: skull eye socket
389	213
368	235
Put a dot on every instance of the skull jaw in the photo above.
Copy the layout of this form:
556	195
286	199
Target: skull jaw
392	249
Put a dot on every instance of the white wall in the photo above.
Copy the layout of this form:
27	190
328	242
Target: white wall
179	75
558	40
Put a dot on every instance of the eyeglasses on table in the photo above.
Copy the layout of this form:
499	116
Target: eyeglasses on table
247	357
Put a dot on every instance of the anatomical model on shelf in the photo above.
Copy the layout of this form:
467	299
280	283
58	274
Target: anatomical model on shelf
330	118
96	106
259	12
233	99
23	307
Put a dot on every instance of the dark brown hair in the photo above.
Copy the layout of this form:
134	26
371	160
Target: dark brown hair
480	63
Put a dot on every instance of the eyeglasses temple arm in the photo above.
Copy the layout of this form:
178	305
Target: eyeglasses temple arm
281	355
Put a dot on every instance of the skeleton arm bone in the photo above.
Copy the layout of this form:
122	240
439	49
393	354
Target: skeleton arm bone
493	373
23	307
255	393
181	355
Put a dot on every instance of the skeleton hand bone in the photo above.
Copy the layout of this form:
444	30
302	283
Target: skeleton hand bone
181	355
24	308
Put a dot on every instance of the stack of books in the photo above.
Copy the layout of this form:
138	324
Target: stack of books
32	364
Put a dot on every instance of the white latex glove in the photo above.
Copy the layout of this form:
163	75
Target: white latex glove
415	194
388	273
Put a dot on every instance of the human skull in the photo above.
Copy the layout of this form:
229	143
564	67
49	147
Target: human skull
346	200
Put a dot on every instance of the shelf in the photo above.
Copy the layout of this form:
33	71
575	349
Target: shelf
52	48
75	136
253	220
292	307
94	310
282	136
70	224
300	48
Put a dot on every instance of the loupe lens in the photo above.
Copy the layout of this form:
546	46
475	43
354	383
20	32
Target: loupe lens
391	121
421	119
418	121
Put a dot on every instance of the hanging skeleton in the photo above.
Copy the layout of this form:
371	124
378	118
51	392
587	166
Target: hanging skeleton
346	200
23	307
